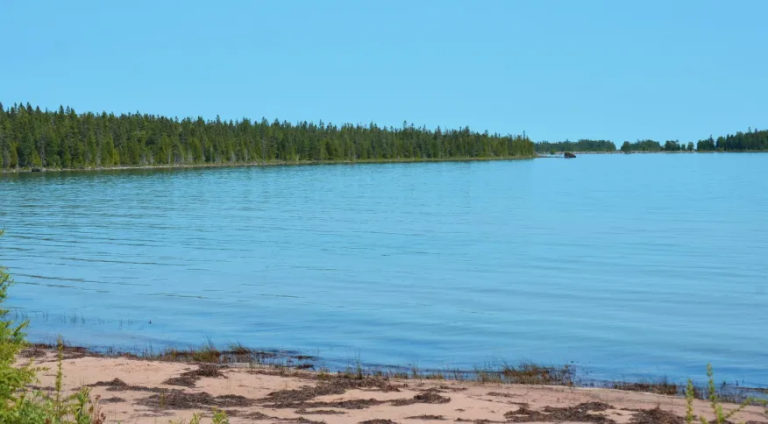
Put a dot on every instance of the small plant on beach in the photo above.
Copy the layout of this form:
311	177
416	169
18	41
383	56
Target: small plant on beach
196	419
207	353
690	396
358	368
524	373
58	404
765	405
239	349
220	417
85	409
415	372
324	374
721	416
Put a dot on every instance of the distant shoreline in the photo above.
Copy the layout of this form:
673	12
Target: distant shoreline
342	162
262	164
640	152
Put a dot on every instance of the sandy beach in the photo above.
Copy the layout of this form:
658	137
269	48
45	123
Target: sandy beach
134	390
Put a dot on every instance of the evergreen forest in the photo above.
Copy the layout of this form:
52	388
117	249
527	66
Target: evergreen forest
576	146
752	140
33	138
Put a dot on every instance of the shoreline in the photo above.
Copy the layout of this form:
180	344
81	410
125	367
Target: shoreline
344	162
640	152
503	372
262	164
148	390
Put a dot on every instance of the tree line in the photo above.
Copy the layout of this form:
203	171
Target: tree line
576	146
33	138
752	140
655	146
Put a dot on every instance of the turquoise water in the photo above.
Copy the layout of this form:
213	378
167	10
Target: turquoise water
628	266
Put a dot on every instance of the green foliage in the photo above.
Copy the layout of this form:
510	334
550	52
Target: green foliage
196	419
220	417
18	405
673	146
207	353
655	146
53	139
690	396
641	146
752	140
721	416
577	146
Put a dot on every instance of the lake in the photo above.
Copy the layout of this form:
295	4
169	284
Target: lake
627	266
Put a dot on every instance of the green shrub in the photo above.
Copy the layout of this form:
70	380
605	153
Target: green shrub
721	416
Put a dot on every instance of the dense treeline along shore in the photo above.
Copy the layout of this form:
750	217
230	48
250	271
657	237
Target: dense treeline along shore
63	139
576	146
750	141
31	138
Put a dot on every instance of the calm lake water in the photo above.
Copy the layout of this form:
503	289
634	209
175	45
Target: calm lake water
626	265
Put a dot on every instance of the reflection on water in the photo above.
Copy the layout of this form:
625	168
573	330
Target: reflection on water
626	265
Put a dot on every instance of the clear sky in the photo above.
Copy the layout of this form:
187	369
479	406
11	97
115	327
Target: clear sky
618	70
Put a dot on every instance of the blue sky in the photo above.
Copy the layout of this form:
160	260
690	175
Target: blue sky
616	70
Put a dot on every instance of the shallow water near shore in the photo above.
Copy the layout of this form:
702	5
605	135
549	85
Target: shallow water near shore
629	266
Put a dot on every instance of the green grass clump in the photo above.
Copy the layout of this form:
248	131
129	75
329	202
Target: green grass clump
219	417
239	349
527	373
207	353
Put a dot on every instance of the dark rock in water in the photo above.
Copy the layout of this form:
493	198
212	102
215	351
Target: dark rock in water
37	169
569	155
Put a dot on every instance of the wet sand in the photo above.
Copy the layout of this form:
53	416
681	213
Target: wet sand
146	391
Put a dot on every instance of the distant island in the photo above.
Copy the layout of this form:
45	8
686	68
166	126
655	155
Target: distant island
752	140
32	139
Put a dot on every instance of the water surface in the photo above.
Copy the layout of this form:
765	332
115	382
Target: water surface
626	265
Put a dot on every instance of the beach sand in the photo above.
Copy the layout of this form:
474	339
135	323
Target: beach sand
147	391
